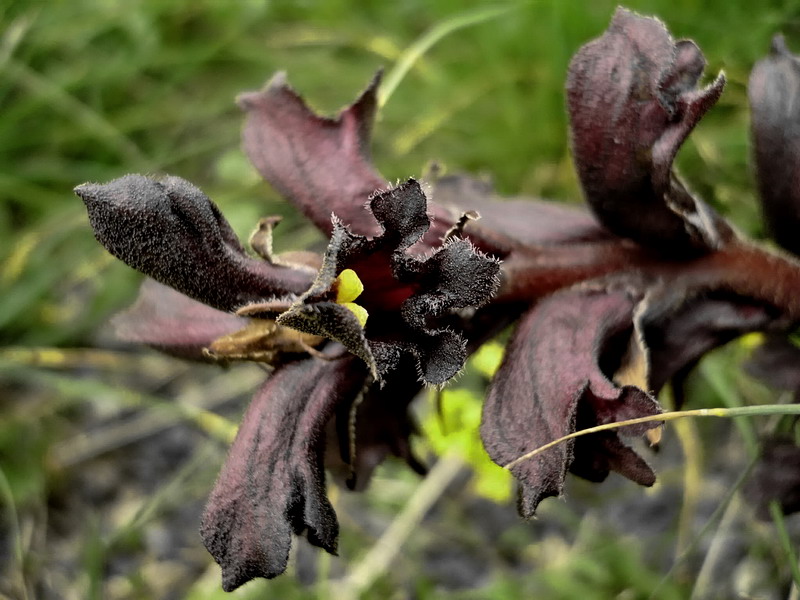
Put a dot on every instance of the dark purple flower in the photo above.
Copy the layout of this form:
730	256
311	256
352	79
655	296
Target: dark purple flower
774	92
632	101
612	305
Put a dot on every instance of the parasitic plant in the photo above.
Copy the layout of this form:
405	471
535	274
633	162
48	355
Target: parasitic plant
610	304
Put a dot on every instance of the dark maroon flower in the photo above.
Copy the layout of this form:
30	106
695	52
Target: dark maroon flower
391	298
774	92
632	102
612	305
420	291
172	232
551	380
273	482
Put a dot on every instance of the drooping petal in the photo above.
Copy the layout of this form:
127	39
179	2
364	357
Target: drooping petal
632	102
168	320
273	482
174	233
551	382
321	165
774	91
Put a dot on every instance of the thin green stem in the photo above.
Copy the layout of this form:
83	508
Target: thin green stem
776	513
416	50
380	557
13	520
714	373
720	513
726	413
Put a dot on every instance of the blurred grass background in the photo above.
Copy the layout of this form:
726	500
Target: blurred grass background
103	472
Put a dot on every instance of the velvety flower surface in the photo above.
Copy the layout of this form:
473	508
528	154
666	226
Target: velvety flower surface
550	380
611	304
420	290
272	484
173	232
632	101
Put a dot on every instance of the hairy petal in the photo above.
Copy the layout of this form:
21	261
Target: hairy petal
423	289
172	322
174	233
321	165
454	277
774	91
550	382
632	102
273	482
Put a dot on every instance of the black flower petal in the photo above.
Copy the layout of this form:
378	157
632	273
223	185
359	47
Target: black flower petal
321	165
273	482
551	383
421	289
376	425
174	233
679	331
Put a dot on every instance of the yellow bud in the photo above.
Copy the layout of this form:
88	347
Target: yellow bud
359	311
349	287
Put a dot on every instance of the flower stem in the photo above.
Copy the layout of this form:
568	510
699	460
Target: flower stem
741	268
741	411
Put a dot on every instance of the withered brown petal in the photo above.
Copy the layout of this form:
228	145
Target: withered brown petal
632	102
172	231
321	165
166	319
273	482
774	91
551	381
775	477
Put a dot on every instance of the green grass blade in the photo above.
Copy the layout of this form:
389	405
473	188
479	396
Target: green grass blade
416	50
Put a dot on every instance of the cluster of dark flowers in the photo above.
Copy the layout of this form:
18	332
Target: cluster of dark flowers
611	304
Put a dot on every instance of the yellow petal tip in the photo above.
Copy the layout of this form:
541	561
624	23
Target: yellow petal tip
349	286
360	312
